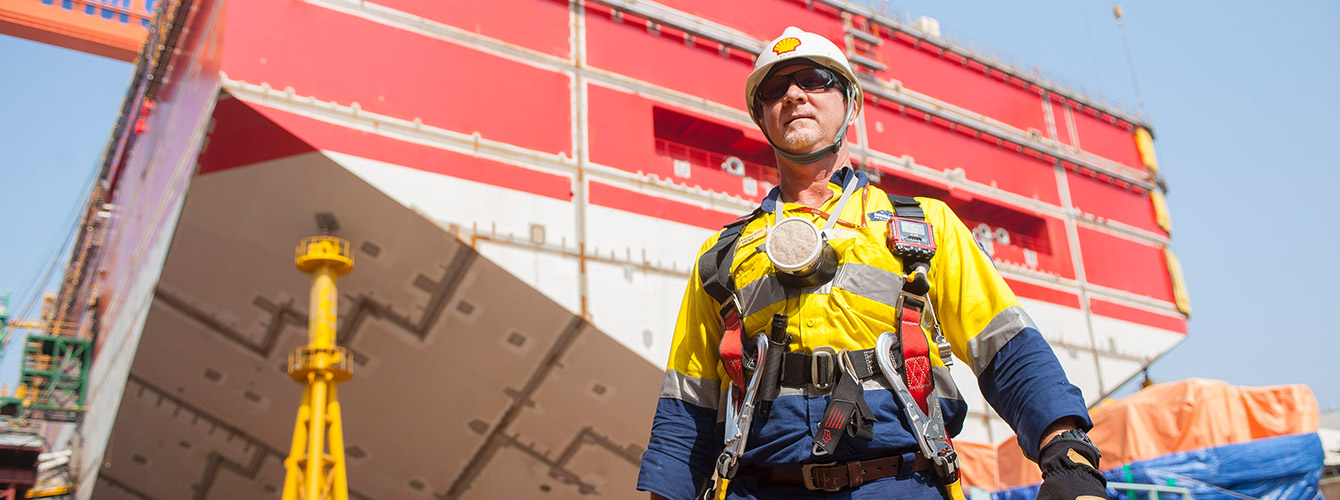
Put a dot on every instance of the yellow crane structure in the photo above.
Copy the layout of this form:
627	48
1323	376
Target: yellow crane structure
315	465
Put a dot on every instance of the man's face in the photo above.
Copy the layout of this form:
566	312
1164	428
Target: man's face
803	121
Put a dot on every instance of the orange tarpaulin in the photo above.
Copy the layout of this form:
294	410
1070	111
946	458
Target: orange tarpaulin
979	464
1162	419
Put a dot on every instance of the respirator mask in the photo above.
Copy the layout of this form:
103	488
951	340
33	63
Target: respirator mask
799	250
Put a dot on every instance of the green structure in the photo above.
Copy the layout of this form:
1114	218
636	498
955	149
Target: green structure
54	376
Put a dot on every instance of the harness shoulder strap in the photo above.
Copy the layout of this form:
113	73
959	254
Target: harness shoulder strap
915	347
906	206
714	264
714	273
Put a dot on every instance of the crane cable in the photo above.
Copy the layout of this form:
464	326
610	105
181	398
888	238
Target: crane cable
33	292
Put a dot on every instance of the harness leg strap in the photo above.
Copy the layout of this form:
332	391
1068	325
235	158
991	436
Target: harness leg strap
915	351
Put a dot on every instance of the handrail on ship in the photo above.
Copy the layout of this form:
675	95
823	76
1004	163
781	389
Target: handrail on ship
877	88
713	160
687	23
901	20
710	30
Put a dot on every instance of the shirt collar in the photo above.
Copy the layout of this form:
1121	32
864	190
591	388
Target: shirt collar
837	182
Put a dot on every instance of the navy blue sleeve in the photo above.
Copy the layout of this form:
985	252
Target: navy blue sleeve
682	451
1028	388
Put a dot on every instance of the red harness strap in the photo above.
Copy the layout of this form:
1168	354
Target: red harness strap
916	356
732	345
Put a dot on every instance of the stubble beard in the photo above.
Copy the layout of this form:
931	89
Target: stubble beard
802	138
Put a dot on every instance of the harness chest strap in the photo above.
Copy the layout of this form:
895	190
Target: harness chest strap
847	408
714	273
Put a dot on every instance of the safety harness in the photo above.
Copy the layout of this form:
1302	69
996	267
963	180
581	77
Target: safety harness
843	372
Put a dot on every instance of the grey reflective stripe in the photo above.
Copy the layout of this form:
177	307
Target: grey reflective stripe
983	347
821	289
861	279
870	282
760	294
945	388
698	391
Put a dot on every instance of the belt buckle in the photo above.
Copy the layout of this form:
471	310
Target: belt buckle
807	477
827	354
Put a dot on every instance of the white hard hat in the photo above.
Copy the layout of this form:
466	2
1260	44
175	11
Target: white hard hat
796	45
799	44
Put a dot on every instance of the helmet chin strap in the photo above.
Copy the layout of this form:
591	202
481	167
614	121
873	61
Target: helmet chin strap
814	156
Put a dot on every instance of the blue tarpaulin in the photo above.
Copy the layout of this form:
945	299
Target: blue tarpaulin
1278	468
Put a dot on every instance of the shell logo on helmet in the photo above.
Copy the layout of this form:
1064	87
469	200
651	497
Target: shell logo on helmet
785	45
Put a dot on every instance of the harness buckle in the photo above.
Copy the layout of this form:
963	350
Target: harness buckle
729	308
807	477
822	378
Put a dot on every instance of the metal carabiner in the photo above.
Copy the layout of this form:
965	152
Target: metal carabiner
946	352
740	415
929	431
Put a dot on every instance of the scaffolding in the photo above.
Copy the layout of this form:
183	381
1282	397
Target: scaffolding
53	378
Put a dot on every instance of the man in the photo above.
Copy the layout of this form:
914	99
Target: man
824	298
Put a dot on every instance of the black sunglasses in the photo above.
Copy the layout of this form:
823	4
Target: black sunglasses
808	79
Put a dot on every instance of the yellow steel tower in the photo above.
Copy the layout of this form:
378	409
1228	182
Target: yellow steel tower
316	461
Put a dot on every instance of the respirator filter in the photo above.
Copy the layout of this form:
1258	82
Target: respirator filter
801	254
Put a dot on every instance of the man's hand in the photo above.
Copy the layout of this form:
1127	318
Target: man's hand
1069	465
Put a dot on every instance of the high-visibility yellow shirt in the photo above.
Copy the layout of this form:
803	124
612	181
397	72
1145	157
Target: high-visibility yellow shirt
978	314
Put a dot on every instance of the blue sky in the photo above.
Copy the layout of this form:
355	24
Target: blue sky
1243	105
1245	112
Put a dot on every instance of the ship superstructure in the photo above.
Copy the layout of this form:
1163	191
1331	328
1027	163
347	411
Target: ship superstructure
526	183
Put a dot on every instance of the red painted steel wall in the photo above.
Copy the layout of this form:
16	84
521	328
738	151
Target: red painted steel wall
1108	137
1141	316
1099	197
1022	224
948	77
1046	294
631	201
150	183
1059	118
543	27
417	156
236	122
765	19
933	144
1124	264
338	57
621	133
1056	261
627	48
622	136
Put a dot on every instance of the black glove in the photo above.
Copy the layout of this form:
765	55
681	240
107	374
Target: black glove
1070	469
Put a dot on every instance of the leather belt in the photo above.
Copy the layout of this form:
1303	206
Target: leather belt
820	369
838	476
